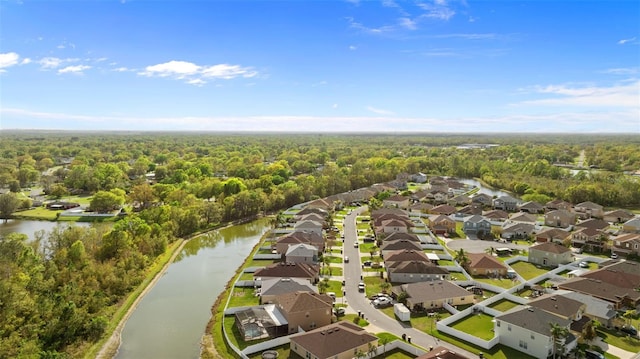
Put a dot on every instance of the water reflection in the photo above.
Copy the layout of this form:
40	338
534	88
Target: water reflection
34	229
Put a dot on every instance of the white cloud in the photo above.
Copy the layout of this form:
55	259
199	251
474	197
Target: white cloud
47	63
620	95
624	41
352	47
408	23
380	111
8	59
196	82
622	71
121	69
334	106
193	72
437	10
562	122
76	69
25	61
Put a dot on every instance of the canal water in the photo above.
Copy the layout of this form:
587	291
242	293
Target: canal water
31	227
483	189
170	320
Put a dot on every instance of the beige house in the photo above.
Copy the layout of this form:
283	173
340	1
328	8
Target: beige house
305	310
485	265
396	201
415	271
559	218
341	340
589	210
617	216
433	294
628	243
550	254
442	224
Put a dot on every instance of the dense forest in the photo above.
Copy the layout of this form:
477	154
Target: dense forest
59	292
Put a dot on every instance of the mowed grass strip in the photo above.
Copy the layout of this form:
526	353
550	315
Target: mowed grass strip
478	325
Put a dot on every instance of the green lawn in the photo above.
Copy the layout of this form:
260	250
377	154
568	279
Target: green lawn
502	283
443	262
336	287
334	259
367	247
457	276
332	271
283	352
241	297
246	276
620	340
258	262
372	285
478	325
503	305
528	270
38	213
351	317
497	352
524	293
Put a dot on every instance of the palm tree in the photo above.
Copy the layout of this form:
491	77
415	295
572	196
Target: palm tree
372	350
628	315
384	341
385	286
490	250
462	258
360	354
589	332
558	334
323	285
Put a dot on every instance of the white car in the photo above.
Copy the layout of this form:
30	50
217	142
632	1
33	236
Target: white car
382	302
361	287
583	265
346	259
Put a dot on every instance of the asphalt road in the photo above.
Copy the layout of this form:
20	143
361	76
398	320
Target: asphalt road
359	302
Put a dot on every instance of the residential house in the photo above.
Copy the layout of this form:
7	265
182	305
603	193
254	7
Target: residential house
517	230
630	267
341	340
419	177
309	210
399	245
376	214
441	352
619	297
506	203
628	243
301	253
561	306
442	224
433	294
558	204
550	254
320	203
470	210
523	217
394	226
531	207
496	215
590	239
396	201
589	210
310	217
260	322
596	309
593	223
439	184
415	271
459	200
283	243
528	330
391	237
483	199
483	264
617	216
421	207
632	225
308	226
559	218
476	225
618	278
272	287
310	272
405	256
305	310
443	209
456	187
379	219
556	235
437	197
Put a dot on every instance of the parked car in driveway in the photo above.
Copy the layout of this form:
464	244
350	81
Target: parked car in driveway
630	330
592	354
583	265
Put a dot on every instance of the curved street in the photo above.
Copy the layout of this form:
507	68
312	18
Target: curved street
379	322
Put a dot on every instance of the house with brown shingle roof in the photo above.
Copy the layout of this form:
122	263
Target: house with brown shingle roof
421	207
496	215
390	237
433	294
484	264
306	310
415	271
396	201
483	199
399	245
308	210
590	239
271	287
617	216
550	254
593	223
308	226
440	352
442	224
471	209
514	230
618	296
444	209
559	218
557	204
615	277
459	200
282	243
393	226
379	219
523	217
340	340
628	243
310	272
405	255
589	210
531	207
556	235
561	306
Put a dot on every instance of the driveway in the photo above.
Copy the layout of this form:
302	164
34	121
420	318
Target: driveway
358	302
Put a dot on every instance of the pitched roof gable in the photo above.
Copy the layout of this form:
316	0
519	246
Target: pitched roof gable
484	261
301	301
333	339
550	247
533	319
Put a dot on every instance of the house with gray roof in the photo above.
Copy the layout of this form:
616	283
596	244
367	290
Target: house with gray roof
531	207
528	330
589	209
302	253
476	225
308	226
271	287
433	294
506	203
415	271
617	216
515	230
632	225
550	254
596	309
561	306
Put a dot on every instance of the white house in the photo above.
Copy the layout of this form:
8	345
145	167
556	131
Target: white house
302	253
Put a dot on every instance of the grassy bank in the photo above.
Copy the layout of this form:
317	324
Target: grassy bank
121	312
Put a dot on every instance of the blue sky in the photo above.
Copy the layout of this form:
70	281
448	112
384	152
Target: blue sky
321	66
